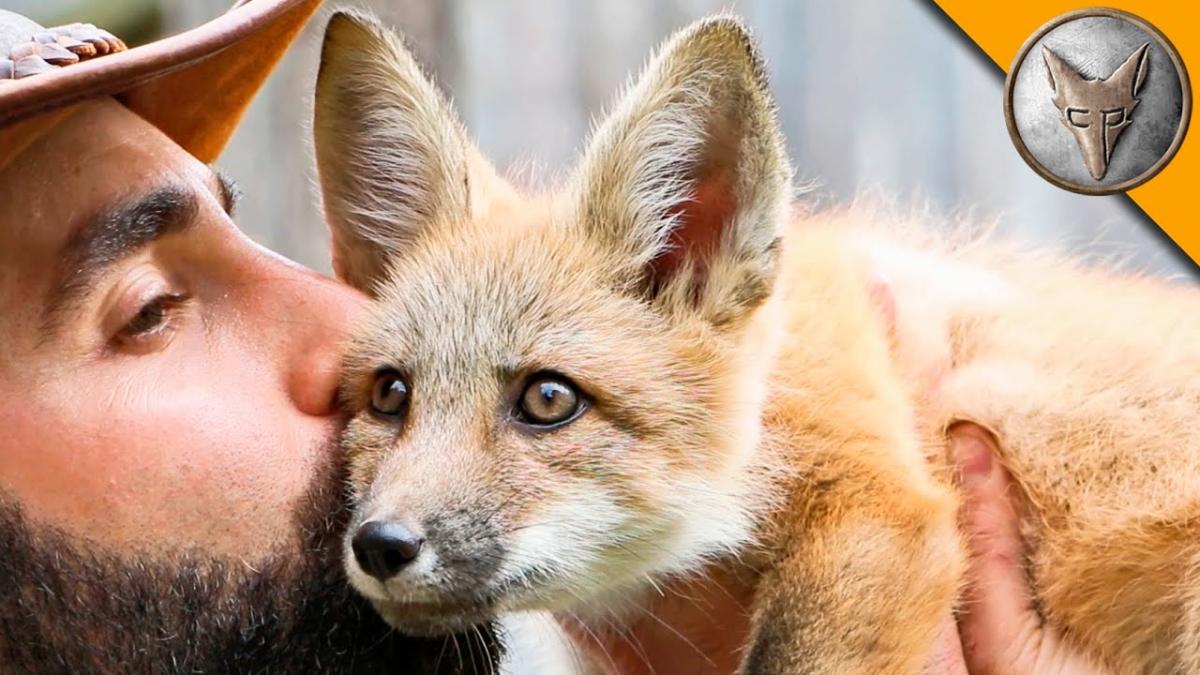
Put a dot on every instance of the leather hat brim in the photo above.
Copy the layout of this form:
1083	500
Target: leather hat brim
194	86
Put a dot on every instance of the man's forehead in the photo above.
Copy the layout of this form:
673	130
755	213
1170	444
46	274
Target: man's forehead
16	138
97	155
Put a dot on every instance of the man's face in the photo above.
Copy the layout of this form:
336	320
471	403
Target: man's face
169	486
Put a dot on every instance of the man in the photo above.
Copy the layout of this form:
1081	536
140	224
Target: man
170	490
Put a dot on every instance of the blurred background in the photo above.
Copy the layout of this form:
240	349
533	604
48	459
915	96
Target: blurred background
882	98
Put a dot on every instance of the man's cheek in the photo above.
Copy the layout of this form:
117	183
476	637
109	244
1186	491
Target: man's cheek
179	457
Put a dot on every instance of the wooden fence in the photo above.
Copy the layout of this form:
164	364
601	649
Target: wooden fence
876	96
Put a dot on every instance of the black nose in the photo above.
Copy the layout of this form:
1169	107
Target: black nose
383	548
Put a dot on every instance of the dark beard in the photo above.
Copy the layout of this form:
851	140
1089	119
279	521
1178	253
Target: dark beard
67	609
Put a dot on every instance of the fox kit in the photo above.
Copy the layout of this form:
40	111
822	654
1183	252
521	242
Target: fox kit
562	400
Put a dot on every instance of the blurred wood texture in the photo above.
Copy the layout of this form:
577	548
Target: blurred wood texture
877	97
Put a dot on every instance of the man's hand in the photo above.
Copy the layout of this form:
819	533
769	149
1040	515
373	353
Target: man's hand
998	631
1001	633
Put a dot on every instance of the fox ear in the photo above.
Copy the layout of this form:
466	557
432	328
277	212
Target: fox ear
687	180
392	157
1059	72
1131	74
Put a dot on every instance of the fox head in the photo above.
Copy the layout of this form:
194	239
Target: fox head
1097	111
557	394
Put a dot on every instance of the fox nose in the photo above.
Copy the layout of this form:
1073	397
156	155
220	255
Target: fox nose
383	548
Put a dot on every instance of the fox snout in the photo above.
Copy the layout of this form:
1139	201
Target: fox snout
383	548
446	557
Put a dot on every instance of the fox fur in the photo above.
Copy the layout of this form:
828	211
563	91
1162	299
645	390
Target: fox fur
768	389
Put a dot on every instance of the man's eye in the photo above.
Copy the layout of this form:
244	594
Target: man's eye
153	318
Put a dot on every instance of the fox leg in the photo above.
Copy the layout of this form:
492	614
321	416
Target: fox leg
866	571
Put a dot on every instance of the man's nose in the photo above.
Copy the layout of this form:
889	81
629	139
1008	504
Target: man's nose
330	310
383	548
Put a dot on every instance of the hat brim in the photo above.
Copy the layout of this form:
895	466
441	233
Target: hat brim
194	86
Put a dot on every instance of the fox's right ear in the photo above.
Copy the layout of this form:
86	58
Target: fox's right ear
1059	72
688	180
392	157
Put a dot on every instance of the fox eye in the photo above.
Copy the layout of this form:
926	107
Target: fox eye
549	401
389	395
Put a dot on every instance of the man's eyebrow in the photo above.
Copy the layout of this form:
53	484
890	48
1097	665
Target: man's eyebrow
227	191
106	238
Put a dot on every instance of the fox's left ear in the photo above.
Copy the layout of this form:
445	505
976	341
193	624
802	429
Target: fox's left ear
1131	74
687	181
394	161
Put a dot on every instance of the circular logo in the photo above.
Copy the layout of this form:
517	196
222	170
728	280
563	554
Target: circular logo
1097	101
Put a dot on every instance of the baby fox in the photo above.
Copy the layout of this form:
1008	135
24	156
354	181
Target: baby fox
562	400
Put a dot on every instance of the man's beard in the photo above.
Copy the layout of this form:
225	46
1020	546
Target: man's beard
65	608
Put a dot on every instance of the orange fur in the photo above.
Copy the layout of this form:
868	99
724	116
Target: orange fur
768	392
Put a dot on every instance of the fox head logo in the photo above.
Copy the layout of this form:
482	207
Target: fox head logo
1097	111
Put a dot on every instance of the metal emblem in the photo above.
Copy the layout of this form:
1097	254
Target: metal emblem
1097	101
